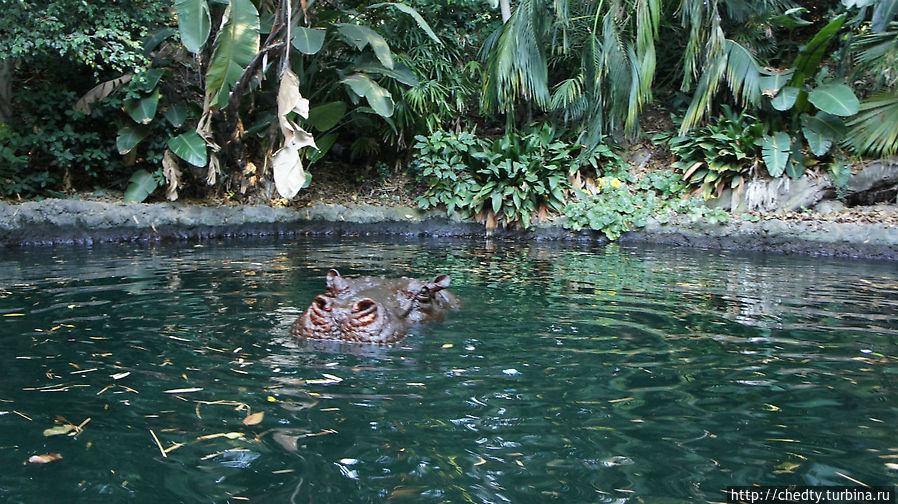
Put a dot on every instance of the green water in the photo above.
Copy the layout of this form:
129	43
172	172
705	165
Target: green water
572	374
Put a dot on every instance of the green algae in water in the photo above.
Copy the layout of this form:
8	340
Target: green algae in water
572	373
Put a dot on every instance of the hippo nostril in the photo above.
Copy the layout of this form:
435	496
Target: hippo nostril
364	306
322	303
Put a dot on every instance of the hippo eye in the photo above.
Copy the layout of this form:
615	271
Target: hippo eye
423	295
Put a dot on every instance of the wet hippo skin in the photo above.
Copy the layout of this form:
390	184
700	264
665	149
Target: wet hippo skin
373	310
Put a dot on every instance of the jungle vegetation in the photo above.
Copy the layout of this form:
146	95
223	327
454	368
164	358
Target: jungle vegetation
505	111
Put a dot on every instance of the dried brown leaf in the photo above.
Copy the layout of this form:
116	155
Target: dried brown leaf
254	419
44	459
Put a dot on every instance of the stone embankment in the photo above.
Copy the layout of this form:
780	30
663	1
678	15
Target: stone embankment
64	222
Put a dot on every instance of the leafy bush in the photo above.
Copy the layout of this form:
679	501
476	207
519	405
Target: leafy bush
511	179
615	207
723	152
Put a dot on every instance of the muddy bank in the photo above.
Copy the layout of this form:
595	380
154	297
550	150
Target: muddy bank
73	222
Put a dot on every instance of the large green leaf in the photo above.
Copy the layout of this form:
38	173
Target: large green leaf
190	147
235	46
836	99
379	98
821	131
308	40
176	114
323	144
414	14
326	116
399	72
792	19
129	136
194	23
361	36
775	152
141	185
147	81
808	59
785	99
771	84
142	110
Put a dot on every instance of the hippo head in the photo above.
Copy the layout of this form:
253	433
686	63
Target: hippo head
373	310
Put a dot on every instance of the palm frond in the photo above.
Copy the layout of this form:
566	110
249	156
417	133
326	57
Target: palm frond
873	131
743	76
515	62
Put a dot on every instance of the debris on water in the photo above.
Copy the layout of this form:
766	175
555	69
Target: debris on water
183	390
254	419
511	371
44	459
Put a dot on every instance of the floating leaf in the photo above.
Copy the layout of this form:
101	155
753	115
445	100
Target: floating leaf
229	435
44	459
254	419
59	430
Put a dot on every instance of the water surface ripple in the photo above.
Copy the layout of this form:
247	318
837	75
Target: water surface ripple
573	373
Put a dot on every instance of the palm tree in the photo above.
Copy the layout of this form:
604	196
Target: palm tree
597	57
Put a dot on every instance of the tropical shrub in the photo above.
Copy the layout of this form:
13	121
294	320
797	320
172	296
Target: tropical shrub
723	153
614	206
511	179
52	51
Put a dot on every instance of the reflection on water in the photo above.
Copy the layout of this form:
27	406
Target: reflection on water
573	373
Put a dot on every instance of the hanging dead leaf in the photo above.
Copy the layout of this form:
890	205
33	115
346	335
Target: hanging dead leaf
44	459
254	419
100	91
214	169
172	174
289	176
289	98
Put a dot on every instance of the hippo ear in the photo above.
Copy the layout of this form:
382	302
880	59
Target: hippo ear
335	283
439	282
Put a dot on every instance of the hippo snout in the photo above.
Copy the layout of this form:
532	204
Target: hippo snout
372	310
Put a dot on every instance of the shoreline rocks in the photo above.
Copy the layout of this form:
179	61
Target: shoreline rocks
75	222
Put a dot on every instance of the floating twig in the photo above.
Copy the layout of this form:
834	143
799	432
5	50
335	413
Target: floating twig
161	449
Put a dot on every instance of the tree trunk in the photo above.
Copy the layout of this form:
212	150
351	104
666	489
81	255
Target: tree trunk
505	8
5	90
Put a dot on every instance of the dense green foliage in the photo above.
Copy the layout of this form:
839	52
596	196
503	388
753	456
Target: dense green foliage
509	179
238	97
